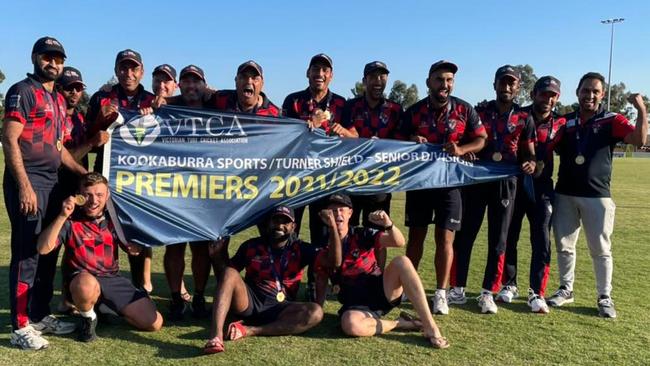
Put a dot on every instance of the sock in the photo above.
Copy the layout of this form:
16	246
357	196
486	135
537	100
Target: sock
89	314
442	292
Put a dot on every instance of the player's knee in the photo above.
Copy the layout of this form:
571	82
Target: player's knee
313	314
84	286
351	326
402	261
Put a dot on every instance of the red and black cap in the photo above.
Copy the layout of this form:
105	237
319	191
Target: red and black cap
166	69
250	64
507	70
192	69
128	55
321	57
547	83
48	45
70	76
443	64
283	211
340	198
375	65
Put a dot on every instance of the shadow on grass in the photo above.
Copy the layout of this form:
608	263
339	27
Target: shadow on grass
581	310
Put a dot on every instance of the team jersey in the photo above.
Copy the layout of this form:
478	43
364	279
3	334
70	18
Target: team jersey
301	105
226	100
456	122
42	115
264	264
506	133
381	121
594	140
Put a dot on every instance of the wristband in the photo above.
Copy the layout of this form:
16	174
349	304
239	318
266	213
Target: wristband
388	228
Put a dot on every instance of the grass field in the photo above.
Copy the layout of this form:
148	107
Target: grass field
570	335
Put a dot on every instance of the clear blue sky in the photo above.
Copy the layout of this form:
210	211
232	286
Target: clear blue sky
561	38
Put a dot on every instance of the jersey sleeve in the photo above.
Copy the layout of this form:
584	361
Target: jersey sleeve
18	103
621	127
287	107
64	234
475	127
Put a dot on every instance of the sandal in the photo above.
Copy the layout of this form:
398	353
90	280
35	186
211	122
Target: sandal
416	324
438	342
236	330
214	345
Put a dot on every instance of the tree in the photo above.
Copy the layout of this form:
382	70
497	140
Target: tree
358	90
619	99
406	96
526	84
562	109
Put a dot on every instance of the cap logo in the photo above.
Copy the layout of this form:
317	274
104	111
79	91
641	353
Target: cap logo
71	73
51	41
128	53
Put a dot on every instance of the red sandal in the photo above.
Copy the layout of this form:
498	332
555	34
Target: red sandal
214	345
238	329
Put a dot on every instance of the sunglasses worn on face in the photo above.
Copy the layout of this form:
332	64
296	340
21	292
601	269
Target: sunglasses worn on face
75	87
49	57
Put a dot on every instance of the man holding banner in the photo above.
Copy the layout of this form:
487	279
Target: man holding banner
511	137
265	298
440	119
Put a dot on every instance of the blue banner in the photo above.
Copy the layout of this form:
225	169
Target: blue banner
184	175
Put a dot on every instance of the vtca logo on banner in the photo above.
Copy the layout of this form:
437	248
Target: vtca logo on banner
141	131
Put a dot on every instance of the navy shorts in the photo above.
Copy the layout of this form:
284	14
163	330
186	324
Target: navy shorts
445	203
368	296
262	308
116	292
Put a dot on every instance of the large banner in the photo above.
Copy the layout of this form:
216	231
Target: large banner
189	175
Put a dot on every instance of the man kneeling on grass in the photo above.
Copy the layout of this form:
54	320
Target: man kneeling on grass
367	293
90	262
274	265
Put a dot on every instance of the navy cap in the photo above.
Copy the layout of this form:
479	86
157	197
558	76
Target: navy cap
507	70
283	211
47	45
443	64
192	69
250	64
547	83
343	199
375	65
322	58
70	76
130	55
167	69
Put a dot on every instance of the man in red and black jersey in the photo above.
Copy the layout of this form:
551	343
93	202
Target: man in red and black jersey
583	195
265	298
103	110
510	139
440	119
33	147
368	292
90	262
538	209
193	91
372	116
317	105
248	96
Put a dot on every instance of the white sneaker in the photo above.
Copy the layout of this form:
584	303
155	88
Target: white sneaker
507	294
456	295
486	303
28	338
50	324
537	303
439	303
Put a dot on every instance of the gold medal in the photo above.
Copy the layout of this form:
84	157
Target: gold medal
497	156
59	145
80	200
280	296
580	159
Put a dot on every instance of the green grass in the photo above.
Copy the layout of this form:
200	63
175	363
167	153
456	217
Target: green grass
570	335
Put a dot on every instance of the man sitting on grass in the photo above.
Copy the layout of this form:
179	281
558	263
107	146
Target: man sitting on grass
367	293
90	262
264	299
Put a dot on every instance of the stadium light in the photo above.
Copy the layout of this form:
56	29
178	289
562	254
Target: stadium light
611	49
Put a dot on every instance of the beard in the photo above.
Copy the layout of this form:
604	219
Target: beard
45	75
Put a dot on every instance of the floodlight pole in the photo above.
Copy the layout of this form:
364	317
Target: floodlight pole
611	50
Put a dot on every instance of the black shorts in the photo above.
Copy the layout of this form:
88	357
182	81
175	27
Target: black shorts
446	203
368	296
262	308
364	205
116	292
